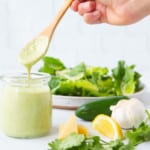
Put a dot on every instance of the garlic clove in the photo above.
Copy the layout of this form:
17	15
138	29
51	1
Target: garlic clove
122	118
119	104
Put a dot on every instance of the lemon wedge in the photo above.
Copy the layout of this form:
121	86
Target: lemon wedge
107	127
71	126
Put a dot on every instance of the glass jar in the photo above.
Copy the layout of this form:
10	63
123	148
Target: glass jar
26	106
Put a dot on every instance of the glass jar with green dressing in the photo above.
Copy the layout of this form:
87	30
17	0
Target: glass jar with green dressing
26	106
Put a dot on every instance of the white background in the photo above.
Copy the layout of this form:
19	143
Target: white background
74	41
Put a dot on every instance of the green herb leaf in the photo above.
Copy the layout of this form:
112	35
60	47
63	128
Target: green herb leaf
51	65
139	135
72	140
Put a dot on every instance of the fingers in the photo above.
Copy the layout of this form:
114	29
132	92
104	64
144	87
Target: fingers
91	11
92	17
83	6
86	7
74	5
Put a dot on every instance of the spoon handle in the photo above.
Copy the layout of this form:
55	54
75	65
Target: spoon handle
51	28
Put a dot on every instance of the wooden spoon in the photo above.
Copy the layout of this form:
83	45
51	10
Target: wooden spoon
38	47
51	28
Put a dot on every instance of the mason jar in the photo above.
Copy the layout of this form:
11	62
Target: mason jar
26	106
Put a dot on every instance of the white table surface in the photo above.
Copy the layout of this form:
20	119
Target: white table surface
59	116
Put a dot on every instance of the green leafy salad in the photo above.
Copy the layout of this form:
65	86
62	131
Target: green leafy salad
96	81
131	139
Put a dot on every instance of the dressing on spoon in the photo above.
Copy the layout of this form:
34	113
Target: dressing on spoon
38	47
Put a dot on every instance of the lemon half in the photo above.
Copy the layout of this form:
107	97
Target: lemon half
107	127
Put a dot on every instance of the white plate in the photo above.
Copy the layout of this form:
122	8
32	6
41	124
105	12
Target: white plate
73	102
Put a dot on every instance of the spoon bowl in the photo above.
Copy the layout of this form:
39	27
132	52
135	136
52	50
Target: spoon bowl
38	46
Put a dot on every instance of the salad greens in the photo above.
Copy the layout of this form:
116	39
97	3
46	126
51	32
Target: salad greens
83	80
131	139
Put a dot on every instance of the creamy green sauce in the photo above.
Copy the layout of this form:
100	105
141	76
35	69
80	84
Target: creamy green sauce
26	110
33	52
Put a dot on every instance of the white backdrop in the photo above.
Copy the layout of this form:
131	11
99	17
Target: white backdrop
74	41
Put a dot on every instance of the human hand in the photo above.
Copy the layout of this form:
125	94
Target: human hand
117	12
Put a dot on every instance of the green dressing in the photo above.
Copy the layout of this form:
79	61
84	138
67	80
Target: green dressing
33	52
26	99
26	110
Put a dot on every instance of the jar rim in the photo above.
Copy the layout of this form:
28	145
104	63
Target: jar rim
12	77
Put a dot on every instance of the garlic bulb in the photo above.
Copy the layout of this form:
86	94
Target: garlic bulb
128	113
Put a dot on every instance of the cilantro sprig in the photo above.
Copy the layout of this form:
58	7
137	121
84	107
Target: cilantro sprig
131	139
79	142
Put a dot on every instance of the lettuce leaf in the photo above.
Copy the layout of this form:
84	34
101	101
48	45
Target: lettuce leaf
76	88
51	65
126	80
